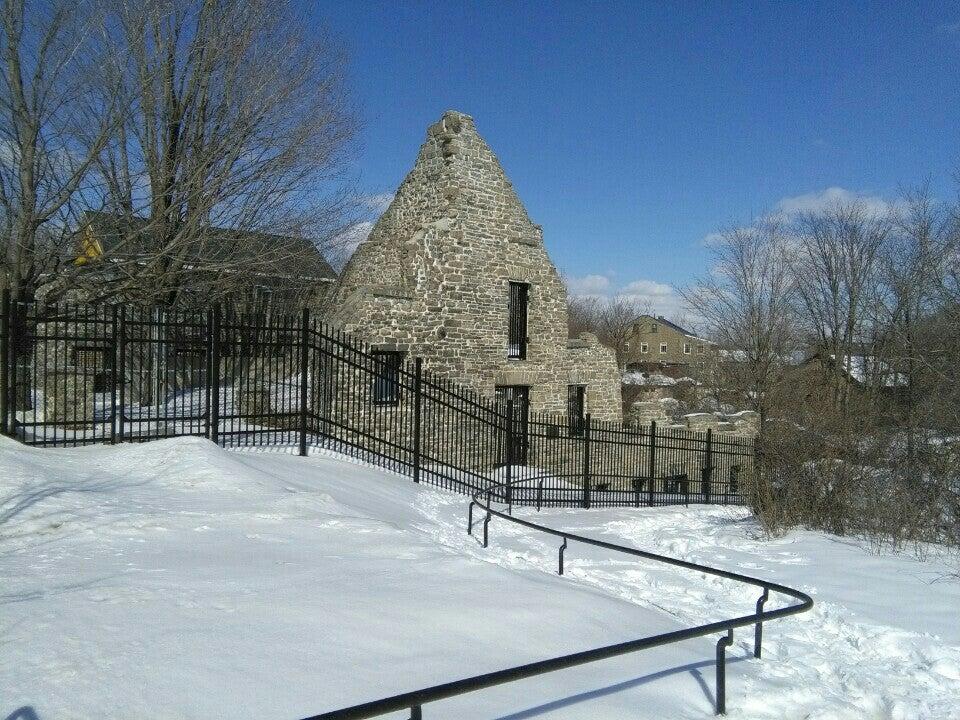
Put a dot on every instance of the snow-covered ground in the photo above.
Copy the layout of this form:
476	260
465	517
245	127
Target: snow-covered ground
178	580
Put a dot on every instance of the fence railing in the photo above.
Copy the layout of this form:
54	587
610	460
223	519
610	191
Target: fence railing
415	700
77	374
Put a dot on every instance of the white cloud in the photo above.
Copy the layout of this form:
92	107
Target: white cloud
379	203
656	297
659	298
790	207
588	285
344	244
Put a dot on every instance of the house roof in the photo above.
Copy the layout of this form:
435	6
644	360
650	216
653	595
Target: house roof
673	326
866	370
219	244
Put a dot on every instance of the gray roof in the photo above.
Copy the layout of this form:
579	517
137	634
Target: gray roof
219	243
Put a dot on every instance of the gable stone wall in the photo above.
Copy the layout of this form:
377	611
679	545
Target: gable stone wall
432	280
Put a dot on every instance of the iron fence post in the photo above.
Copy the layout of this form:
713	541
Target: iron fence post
586	461
5	364
215	377
207	383
121	364
13	342
706	472
653	461
113	375
304	361
417	408
509	450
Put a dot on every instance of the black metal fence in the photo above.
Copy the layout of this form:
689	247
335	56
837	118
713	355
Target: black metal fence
79	374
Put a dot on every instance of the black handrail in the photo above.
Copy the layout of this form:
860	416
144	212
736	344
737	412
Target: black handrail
414	701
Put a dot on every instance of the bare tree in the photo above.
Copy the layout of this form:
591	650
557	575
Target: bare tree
582	314
239	119
610	319
745	305
835	267
52	128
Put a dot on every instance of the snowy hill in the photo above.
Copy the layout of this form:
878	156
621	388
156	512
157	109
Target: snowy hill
178	580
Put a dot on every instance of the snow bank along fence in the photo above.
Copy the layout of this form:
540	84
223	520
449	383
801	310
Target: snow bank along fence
76	374
415	700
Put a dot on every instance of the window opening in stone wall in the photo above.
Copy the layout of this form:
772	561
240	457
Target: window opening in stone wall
576	401
520	423
517	321
386	381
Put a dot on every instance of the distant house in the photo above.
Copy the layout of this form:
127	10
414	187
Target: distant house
658	345
864	372
252	271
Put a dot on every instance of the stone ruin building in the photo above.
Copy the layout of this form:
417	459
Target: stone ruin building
456	273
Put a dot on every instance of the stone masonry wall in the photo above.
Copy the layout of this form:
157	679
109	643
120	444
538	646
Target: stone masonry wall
433	277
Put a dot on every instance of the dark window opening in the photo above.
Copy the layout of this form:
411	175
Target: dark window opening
519	423
576	397
386	381
517	322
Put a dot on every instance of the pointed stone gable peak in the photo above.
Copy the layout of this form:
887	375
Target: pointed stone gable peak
467	183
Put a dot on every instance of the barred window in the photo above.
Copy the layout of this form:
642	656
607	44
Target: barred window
576	400
386	381
517	321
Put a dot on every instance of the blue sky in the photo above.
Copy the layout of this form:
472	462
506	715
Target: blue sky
633	130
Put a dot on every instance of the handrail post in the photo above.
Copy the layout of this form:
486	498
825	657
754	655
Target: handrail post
539	495
653	461
706	472
416	712
586	461
562	549
304	362
470	518
121	373
417	407
5	364
486	525
758	628
215	377
722	645
510	451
